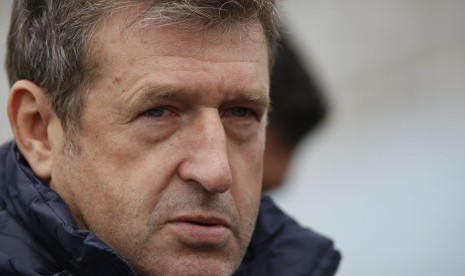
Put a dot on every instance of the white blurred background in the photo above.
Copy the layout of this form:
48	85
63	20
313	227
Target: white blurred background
5	9
385	176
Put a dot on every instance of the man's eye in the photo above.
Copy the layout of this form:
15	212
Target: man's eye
156	111
240	111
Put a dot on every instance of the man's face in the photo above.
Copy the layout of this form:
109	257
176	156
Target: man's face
172	140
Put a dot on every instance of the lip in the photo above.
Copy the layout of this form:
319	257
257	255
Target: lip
201	230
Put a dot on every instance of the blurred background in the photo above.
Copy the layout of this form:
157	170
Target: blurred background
384	175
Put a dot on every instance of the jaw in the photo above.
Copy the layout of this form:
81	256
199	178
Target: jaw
197	263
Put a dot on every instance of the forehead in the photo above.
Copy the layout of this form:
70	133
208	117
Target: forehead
212	65
239	41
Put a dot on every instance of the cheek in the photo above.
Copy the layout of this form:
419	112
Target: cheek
247	166
94	185
247	162
104	201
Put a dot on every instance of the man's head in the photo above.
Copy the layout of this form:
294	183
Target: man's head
165	103
51	42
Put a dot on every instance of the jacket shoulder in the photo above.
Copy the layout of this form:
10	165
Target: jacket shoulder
20	251
280	246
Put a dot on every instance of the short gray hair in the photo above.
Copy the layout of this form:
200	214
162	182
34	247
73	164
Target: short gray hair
49	40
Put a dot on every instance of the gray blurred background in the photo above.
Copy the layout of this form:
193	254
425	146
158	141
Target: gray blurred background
385	175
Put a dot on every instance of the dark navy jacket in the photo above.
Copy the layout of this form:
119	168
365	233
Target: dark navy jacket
38	235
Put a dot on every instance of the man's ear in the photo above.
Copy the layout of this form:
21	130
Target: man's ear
30	115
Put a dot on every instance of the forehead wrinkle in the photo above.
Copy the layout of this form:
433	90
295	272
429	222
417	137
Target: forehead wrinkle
257	97
151	89
150	94
200	43
154	94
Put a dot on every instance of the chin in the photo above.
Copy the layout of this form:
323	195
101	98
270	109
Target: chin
198	265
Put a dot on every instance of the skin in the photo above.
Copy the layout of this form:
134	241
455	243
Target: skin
171	143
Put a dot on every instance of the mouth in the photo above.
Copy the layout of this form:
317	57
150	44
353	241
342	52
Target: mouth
201	230
202	221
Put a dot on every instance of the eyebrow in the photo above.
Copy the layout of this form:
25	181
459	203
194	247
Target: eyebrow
150	94
154	94
259	98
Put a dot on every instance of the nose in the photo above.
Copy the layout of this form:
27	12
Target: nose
207	159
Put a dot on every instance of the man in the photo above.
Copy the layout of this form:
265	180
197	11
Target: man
139	135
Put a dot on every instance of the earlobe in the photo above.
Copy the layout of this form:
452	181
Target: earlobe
30	115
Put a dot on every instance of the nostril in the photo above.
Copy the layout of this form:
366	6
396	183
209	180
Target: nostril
213	177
